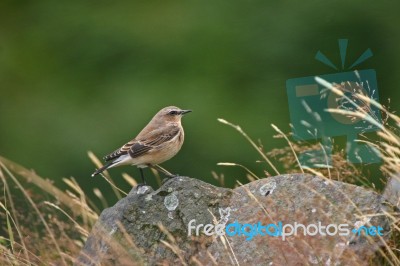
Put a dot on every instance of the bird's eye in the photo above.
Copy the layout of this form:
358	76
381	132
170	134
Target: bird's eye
173	112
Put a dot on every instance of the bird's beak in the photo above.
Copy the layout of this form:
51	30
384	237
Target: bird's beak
185	111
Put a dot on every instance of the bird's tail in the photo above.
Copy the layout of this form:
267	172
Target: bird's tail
103	168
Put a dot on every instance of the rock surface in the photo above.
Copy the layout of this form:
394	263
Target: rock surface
392	191
151	227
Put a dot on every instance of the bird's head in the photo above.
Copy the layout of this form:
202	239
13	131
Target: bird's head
171	114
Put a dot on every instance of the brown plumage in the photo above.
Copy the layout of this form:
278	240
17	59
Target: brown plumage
158	142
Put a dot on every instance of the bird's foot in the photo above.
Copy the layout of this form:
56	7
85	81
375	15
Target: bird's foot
141	185
168	178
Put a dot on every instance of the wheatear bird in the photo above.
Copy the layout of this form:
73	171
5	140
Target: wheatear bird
158	142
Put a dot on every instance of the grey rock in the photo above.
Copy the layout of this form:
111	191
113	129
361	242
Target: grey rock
151	227
392	191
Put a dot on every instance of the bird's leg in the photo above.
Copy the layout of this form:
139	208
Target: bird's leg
142	176
162	170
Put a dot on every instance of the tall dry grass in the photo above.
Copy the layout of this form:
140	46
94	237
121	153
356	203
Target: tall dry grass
43	225
388	146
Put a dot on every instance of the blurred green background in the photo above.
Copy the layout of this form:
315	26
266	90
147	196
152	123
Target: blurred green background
88	75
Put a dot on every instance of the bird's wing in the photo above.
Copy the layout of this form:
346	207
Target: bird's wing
153	140
147	142
121	151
